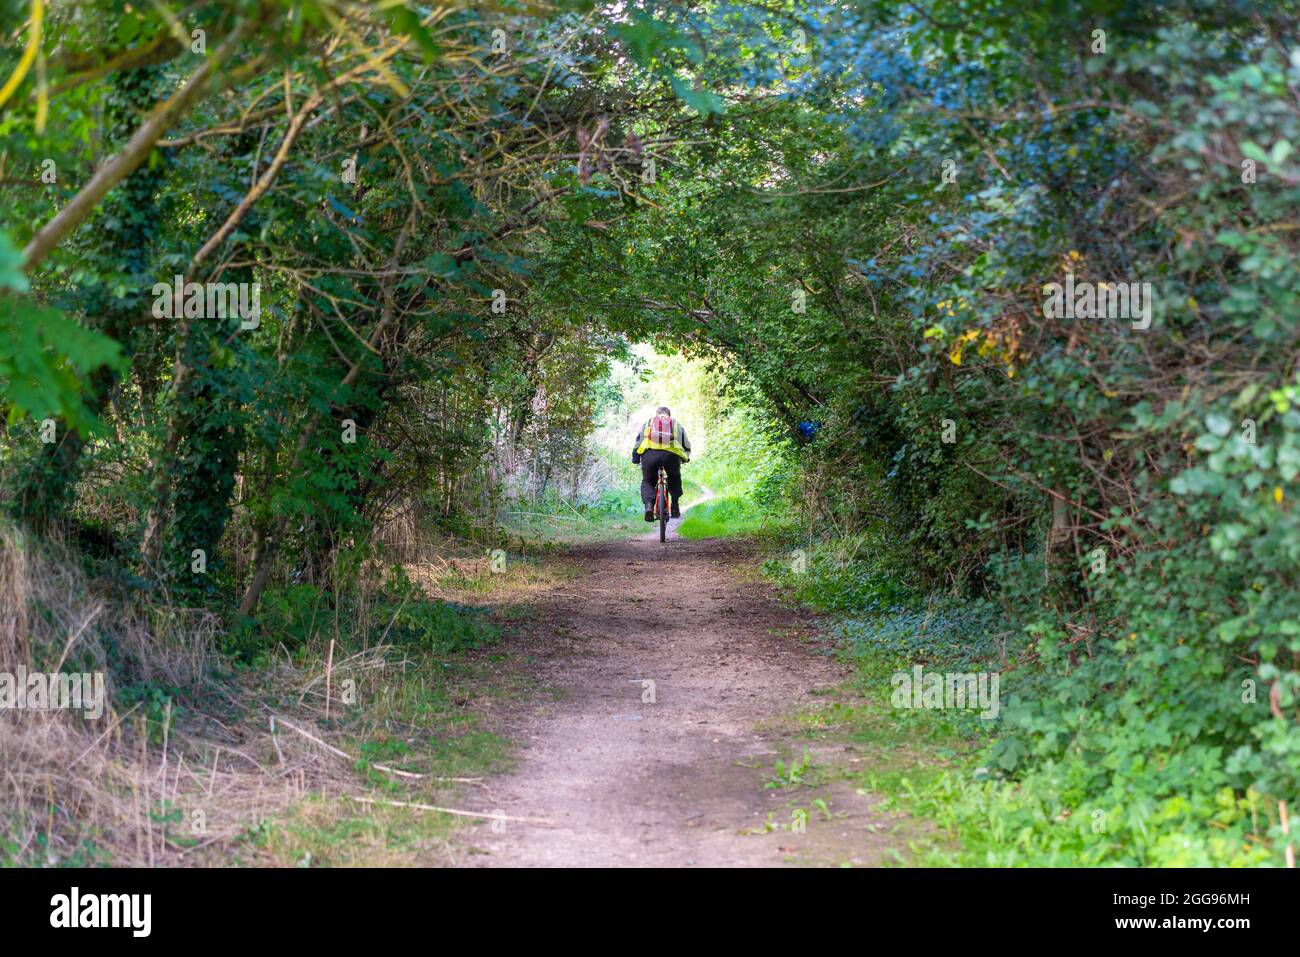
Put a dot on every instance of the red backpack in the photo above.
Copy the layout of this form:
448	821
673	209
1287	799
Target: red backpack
661	429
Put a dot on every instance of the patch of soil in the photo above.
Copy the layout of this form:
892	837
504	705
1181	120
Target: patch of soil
667	681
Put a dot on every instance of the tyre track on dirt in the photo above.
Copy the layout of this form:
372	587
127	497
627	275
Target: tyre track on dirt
675	779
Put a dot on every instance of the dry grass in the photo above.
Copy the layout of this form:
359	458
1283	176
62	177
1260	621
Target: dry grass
468	580
154	785
69	795
14	580
449	568
131	788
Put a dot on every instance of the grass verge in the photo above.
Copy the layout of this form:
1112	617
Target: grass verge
299	739
945	765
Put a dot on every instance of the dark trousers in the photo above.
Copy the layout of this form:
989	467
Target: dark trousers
650	462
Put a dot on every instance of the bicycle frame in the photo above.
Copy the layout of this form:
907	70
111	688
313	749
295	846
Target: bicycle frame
661	504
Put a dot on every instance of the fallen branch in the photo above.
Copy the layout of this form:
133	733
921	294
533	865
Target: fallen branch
378	767
543	822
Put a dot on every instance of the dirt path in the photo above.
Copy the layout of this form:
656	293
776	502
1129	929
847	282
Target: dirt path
670	773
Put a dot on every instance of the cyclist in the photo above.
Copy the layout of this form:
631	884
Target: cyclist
661	442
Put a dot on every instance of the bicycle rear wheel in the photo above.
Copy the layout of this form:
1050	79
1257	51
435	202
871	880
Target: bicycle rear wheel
661	506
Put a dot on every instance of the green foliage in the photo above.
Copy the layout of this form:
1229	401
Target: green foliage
851	575
155	703
841	264
401	614
440	627
725	516
44	358
791	776
1112	501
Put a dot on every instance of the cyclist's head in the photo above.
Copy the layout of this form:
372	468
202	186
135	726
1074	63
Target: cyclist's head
663	410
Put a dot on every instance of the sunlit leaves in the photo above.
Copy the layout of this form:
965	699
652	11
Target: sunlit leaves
44	356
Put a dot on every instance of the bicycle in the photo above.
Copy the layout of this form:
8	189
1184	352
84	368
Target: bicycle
661	504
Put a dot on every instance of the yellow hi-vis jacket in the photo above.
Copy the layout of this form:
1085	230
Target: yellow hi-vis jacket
677	442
